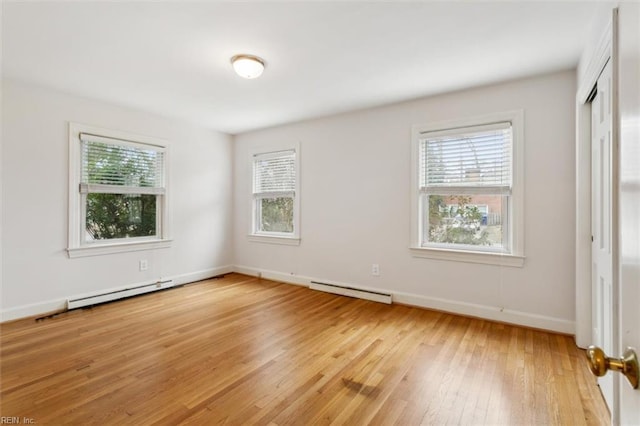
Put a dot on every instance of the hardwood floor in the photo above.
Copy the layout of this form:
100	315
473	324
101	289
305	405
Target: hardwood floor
239	350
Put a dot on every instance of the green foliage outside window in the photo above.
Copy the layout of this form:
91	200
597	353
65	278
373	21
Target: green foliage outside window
453	220
276	214
120	215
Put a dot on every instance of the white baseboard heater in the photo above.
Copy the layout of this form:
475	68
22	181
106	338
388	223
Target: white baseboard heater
351	292
118	294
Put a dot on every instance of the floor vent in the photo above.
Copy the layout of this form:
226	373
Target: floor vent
118	294
351	292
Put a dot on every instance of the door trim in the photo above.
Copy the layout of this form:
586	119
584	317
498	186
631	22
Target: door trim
605	51
595	66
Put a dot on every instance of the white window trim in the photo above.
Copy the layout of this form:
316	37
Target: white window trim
273	237
75	247
516	213
487	258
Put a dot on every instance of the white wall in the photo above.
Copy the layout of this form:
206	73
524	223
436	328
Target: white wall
355	206
355	198
37	274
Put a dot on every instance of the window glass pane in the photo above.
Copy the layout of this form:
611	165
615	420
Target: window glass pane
111	164
465	220
274	172
275	214
481	158
120	216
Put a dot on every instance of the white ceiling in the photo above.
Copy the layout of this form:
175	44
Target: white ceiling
322	57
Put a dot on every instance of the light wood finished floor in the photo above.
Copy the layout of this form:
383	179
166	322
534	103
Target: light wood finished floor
239	350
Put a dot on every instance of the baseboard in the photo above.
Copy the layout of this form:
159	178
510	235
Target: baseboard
204	274
298	279
273	275
43	308
452	306
33	309
487	312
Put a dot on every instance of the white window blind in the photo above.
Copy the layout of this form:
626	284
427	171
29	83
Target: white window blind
274	172
475	159
117	166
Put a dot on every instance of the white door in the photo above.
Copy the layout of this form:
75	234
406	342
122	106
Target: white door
616	217
627	27
616	213
601	225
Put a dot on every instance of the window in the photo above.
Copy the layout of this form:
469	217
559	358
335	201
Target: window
117	192
467	192
275	198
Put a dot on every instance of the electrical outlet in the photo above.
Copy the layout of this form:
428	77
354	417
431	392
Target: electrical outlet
144	265
375	270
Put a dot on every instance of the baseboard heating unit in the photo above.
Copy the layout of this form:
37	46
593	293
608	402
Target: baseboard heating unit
351	292
117	294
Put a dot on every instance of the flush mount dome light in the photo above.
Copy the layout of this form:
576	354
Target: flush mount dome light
248	66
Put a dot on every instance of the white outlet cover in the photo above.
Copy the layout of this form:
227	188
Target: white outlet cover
375	269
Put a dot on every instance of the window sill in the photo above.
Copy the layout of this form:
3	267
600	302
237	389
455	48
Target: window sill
272	239
102	249
486	258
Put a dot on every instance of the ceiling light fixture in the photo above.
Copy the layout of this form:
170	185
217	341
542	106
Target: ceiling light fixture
248	66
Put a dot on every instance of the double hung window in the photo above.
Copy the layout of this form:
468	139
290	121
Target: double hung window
275	206
468	193
118	191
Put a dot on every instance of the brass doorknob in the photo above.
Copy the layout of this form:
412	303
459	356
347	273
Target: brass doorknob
599	364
